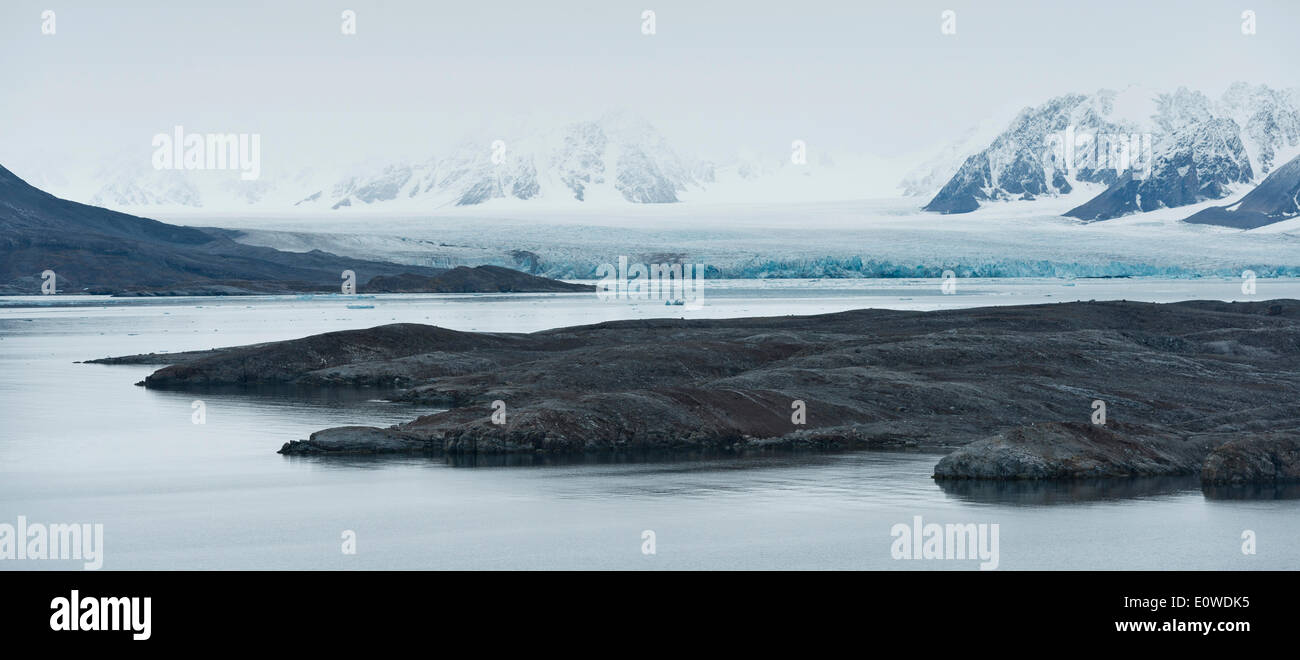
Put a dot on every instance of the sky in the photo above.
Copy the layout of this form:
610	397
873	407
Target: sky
864	77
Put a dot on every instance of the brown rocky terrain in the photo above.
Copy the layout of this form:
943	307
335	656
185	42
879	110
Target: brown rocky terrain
1076	450
1012	386
1255	458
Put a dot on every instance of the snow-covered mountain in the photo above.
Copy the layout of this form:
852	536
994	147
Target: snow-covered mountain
1189	147
127	182
125	188
1198	161
1152	150
1269	121
616	159
940	163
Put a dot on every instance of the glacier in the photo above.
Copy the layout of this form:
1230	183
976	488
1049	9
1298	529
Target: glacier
865	239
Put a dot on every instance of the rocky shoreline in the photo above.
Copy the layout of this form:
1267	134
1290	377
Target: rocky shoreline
1196	387
1076	450
1255	459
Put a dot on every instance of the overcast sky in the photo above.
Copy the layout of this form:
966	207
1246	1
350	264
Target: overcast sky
859	76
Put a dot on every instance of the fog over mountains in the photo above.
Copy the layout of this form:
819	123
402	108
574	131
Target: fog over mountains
1188	147
615	159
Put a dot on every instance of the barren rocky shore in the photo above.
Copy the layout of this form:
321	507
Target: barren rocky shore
1197	387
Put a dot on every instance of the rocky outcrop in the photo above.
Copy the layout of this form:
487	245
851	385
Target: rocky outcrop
1076	450
1255	459
1206	371
360	440
390	355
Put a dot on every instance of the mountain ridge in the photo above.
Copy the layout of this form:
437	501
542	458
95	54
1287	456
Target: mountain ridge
1200	150
1275	199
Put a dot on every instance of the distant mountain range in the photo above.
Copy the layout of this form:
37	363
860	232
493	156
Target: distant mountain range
619	157
1185	147
1200	149
614	160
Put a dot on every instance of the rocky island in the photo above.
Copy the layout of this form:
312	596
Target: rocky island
1187	387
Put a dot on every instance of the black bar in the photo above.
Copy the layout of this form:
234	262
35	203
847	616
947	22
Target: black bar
328	608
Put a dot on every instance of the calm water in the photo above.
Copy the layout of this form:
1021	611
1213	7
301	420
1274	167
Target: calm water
80	443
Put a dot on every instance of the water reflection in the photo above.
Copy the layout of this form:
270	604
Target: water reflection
683	459
1273	491
1040	493
288	393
